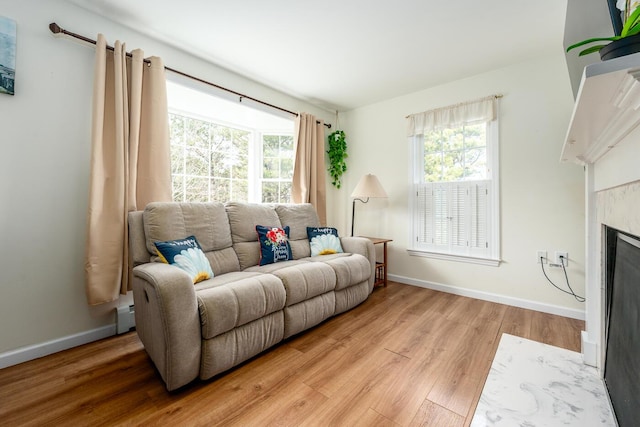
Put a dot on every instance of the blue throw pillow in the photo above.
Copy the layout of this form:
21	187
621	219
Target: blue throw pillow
324	241
186	254
274	244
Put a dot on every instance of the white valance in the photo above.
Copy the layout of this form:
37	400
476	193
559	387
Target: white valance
472	112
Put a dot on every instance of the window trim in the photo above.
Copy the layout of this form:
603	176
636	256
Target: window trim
491	262
493	258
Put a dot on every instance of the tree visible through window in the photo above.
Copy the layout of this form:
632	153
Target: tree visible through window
209	162
277	171
456	154
222	151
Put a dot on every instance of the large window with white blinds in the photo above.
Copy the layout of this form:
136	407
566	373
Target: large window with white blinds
454	201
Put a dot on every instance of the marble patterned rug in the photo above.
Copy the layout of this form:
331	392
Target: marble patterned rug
533	384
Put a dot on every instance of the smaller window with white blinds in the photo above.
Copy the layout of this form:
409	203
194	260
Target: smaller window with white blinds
454	203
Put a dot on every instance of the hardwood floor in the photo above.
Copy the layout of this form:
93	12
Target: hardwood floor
407	356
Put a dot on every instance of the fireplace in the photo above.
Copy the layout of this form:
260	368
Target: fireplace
604	137
622	324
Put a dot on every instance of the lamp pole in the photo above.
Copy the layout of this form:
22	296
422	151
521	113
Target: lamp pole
353	212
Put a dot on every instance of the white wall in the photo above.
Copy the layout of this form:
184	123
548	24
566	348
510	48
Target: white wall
619	166
585	19
542	201
45	141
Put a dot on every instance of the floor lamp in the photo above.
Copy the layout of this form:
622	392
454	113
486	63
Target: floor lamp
368	187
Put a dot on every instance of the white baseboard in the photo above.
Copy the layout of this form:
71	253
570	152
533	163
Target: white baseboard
35	351
488	296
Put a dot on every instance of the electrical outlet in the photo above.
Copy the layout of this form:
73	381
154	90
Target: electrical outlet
543	255
562	258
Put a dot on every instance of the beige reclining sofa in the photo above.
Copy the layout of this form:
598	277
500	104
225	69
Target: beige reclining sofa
201	330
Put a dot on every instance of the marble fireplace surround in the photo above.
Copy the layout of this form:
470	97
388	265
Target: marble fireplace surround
617	207
604	138
612	199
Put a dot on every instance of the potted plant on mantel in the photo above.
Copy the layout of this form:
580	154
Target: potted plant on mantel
626	43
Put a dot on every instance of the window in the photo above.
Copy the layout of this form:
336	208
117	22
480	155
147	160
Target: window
277	170
209	162
454	202
222	151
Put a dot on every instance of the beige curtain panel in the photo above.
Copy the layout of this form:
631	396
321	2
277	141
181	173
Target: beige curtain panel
309	182
130	161
466	113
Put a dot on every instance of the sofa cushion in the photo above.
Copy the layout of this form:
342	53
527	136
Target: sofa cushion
187	255
298	217
300	248
308	313
306	280
239	344
350	269
348	298
324	241
206	221
274	244
225	303
270	268
243	218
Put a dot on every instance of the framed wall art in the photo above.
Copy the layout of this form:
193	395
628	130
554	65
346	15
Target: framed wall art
7	55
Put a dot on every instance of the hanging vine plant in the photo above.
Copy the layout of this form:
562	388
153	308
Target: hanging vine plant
337	155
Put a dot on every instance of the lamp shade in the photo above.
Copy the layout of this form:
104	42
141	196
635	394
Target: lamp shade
369	186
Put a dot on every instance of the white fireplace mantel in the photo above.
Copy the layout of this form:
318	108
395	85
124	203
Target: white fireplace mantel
604	136
606	111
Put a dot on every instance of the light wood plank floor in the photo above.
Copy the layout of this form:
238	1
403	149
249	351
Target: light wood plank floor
407	356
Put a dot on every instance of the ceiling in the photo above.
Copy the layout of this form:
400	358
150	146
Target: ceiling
342	54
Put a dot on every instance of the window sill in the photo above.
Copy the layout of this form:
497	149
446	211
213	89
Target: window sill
453	257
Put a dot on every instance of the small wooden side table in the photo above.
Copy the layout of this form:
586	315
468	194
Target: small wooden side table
381	267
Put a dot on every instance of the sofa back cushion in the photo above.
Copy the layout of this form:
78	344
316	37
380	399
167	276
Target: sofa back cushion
206	221
243	218
298	217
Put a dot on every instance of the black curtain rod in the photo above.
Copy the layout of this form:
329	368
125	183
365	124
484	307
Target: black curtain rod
56	29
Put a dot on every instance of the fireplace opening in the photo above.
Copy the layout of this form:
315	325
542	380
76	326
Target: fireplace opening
622	325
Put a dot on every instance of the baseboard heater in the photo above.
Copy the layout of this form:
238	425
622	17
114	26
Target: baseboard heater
125	318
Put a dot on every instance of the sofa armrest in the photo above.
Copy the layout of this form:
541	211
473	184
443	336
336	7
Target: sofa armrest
364	247
168	321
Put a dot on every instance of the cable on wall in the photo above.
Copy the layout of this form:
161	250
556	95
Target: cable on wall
566	277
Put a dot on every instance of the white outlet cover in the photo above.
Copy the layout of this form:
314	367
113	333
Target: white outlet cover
543	255
563	254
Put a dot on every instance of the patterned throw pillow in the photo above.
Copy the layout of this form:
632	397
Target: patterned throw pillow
186	254
274	244
324	240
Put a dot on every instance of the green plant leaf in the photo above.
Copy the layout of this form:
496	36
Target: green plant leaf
592	49
634	30
596	39
337	153
631	27
633	19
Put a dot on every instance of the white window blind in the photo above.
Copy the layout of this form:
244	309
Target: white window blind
454	217
480	215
